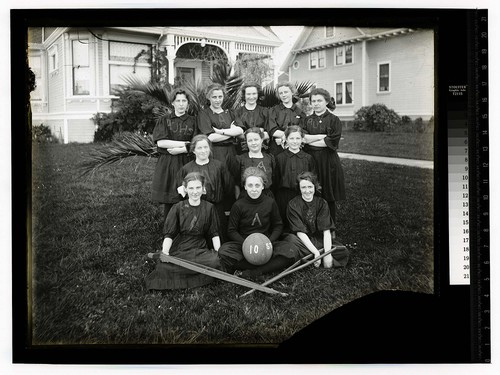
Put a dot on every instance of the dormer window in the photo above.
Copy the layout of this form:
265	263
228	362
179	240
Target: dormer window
329	31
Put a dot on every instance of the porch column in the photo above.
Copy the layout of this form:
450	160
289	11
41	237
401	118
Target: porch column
364	74
233	54
171	69
276	69
170	48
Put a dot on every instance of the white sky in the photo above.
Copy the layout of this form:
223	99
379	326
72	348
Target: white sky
288	35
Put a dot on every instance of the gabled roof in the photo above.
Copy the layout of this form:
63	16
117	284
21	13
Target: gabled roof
249	34
306	42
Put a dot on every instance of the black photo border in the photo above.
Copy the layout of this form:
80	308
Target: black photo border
385	327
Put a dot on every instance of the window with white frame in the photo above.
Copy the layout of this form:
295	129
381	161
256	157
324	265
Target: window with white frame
317	59
52	58
344	55
343	92
384	77
81	67
128	60
329	31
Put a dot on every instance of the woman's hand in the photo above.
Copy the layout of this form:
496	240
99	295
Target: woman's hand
316	255
177	150
165	249
328	261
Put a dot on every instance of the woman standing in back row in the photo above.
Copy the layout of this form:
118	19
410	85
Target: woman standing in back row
323	130
283	115
218	124
251	114
172	136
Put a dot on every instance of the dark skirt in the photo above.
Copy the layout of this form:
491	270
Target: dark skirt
172	276
330	174
274	149
283	196
165	179
221	153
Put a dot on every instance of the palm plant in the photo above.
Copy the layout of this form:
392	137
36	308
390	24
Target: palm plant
134	144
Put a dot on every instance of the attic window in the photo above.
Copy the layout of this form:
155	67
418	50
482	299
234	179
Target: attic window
329	31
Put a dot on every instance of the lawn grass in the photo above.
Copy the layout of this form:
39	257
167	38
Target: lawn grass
401	145
90	236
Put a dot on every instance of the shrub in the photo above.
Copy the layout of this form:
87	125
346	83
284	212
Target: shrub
419	125
405	120
132	112
376	117
42	134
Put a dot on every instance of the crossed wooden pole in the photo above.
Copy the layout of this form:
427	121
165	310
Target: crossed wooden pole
209	271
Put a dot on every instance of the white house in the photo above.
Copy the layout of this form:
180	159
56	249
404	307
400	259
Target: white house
364	66
78	69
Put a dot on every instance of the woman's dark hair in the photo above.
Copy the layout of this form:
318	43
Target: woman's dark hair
180	91
198	138
293	129
290	85
311	177
254	172
193	176
330	102
248	85
254	130
212	88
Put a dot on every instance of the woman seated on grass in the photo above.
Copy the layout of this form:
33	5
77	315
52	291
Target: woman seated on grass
187	225
309	218
256	213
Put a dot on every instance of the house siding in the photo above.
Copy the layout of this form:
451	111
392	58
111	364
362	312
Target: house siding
317	35
412	79
100	66
326	78
56	82
81	130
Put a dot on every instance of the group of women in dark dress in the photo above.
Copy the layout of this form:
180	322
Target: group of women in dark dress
284	185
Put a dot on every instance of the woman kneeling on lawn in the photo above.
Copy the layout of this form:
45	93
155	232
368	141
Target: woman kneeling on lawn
185	229
256	213
309	218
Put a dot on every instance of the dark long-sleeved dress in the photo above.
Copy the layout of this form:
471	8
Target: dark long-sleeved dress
164	187
329	168
249	118
188	226
313	218
249	216
239	163
280	118
288	168
207	120
218	184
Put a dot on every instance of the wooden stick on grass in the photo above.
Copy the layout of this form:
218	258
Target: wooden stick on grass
220	274
293	268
